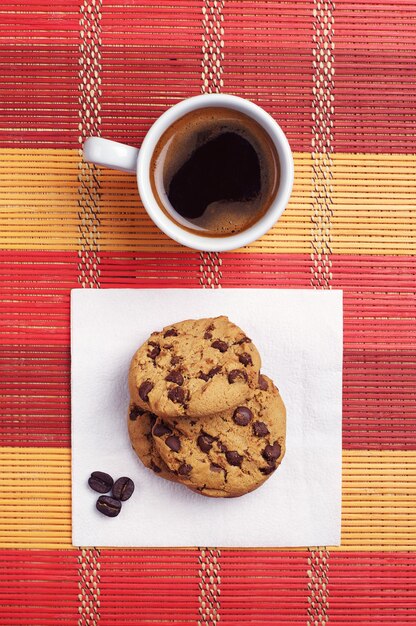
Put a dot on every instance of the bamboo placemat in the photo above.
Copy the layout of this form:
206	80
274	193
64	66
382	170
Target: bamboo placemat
340	80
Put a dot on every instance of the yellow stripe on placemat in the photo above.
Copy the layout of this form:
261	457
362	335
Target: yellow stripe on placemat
125	227
35	498
373	197
378	500
378	513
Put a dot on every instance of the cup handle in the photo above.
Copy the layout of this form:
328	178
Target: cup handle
117	156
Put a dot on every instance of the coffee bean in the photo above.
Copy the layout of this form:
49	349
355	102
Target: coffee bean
215	468
260	429
185	469
242	415
271	453
245	359
100	481
155	467
108	506
267	470
155	351
234	458
177	395
172	332
220	345
135	412
144	390
205	442
237	376
123	488
175	360
175	377
173	442
263	384
161	429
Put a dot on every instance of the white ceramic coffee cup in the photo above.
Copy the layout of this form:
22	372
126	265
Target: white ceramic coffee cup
128	159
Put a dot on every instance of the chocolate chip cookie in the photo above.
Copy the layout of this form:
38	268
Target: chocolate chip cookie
140	424
230	453
196	367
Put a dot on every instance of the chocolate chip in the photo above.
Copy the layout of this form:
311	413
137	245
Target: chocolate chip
260	429
267	470
155	351
242	415
205	442
177	395
222	446
144	390
175	360
215	468
175	377
108	506
210	327
152	419
135	411
123	488
234	458
271	453
243	340
161	429
155	467
172	332
210	374
208	335
173	443
263	384
184	469
245	359
237	375
100	481
168	346
220	345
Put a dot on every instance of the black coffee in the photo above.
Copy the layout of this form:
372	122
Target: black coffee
215	172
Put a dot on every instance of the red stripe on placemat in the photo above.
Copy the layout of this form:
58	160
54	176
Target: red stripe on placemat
373	588
379	397
39	69
263	586
150	270
34	297
379	318
35	396
268	59
154	586
151	59
375	47
38	587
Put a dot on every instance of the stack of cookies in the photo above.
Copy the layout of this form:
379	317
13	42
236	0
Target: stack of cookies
201	414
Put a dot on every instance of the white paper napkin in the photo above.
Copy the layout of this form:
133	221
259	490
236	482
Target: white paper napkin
299	336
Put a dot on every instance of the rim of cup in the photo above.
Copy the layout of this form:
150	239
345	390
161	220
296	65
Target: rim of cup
227	242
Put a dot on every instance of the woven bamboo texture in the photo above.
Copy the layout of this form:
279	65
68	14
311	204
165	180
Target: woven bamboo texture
340	79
